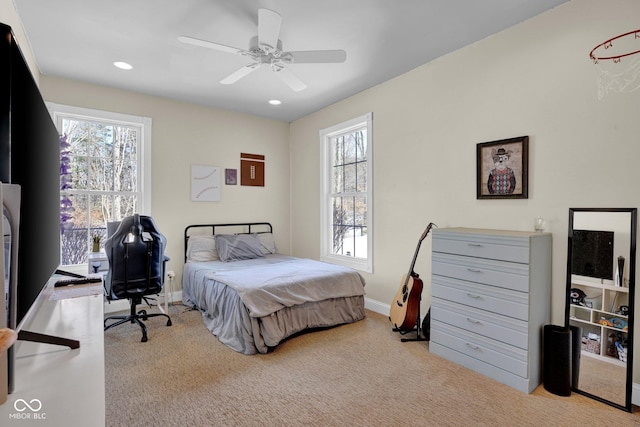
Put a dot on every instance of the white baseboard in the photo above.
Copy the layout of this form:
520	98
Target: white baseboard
635	394
376	306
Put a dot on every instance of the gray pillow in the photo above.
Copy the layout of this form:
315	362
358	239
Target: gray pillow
268	243
231	247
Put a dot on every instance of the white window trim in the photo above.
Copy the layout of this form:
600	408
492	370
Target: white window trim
325	207
144	168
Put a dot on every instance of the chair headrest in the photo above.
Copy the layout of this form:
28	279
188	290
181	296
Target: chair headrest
136	227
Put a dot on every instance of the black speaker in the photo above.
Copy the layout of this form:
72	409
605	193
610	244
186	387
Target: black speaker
426	325
557	360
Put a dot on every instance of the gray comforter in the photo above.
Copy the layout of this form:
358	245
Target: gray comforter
252	305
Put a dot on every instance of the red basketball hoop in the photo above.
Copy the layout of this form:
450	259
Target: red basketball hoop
609	44
614	74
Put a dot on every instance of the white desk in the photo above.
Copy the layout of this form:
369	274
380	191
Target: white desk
69	384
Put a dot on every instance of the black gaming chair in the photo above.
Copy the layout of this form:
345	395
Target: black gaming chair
136	268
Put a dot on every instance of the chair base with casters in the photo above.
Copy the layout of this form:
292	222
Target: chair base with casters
135	317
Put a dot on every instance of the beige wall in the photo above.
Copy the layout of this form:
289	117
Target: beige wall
9	16
533	79
186	134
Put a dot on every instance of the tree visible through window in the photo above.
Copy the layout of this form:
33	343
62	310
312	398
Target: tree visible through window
349	200
105	160
346	211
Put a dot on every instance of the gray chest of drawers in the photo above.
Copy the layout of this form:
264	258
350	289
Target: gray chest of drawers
490	300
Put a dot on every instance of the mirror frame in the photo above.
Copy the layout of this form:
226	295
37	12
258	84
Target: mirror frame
631	280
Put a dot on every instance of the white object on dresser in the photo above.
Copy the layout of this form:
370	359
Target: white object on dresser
490	300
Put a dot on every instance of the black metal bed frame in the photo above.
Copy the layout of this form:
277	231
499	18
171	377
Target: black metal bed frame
248	226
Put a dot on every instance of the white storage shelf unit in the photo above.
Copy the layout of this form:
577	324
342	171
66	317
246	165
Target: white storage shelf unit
600	319
490	301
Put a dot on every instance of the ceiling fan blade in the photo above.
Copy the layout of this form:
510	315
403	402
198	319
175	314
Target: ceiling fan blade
290	79
211	45
268	29
318	56
240	73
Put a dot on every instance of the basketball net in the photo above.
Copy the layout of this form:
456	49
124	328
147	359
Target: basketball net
617	62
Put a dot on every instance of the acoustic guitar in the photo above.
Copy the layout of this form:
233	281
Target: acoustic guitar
406	304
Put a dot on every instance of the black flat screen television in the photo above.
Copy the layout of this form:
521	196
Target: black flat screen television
34	164
29	158
592	253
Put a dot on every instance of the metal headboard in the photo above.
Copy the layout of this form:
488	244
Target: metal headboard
235	228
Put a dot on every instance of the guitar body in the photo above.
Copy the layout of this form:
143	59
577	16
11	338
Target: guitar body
406	304
405	307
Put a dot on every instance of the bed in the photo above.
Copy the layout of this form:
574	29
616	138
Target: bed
252	298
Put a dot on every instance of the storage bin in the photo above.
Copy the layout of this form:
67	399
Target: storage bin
592	346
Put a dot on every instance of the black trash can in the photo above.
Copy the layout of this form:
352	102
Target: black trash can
557	360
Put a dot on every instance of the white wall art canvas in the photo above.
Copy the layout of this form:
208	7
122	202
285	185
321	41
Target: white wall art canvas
205	183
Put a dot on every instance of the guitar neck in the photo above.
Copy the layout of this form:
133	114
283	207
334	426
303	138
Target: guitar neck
415	255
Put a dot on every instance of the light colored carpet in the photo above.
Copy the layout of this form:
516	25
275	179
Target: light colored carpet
352	375
603	379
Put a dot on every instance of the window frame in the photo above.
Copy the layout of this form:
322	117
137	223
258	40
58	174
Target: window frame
326	214
59	112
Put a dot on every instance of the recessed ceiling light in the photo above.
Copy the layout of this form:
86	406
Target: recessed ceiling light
123	65
275	102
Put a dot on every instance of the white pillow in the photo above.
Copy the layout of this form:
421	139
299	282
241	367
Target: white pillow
202	248
267	243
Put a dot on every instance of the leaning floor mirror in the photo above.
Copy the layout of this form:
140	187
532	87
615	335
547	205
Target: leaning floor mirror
601	265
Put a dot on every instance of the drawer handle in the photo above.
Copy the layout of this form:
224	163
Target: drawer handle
474	296
472	346
477	322
474	270
475	245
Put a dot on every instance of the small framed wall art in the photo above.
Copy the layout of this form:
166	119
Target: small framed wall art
503	168
231	176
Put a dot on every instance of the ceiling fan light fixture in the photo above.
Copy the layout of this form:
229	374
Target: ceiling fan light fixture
123	65
266	48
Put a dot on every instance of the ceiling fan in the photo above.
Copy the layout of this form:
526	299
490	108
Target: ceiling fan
266	48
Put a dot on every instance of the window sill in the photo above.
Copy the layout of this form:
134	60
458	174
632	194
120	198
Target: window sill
359	264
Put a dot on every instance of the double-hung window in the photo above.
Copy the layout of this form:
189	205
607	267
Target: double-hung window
346	204
105	174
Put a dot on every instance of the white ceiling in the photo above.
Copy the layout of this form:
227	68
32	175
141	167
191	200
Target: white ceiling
80	39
